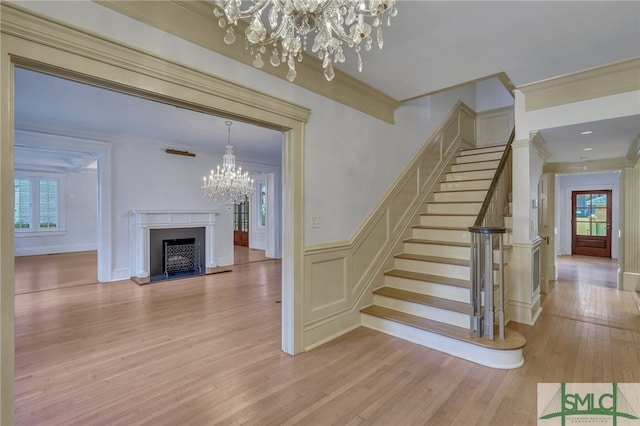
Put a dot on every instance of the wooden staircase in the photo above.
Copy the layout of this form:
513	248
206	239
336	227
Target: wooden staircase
426	296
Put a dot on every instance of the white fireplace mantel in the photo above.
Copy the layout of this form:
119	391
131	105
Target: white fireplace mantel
142	221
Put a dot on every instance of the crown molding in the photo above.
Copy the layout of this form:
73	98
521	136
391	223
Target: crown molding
501	76
612	79
540	144
633	155
605	165
194	21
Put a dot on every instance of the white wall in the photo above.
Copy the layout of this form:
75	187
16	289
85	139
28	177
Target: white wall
80	218
491	94
565	184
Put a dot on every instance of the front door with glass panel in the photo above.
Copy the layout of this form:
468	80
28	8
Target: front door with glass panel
591	223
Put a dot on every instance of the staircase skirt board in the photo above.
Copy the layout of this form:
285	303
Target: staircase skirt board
489	357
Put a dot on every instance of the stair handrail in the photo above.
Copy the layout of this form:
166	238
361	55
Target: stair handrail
480	219
486	236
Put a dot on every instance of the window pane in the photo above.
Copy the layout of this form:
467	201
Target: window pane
263	205
48	203
22	206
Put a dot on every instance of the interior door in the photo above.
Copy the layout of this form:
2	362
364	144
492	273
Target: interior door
241	224
591	223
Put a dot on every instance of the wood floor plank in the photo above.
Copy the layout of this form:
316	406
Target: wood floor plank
206	350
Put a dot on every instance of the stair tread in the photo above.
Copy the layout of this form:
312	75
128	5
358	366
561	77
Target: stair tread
446	228
466	180
449	214
455	202
424	299
436	242
513	340
498	145
437	259
434	259
438	279
476	162
466	171
459	190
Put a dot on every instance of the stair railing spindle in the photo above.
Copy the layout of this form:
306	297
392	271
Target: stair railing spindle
487	235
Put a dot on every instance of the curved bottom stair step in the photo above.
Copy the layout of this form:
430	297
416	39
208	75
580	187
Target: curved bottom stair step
456	341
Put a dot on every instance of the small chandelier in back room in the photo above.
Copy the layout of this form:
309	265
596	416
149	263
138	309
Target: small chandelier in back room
226	185
334	22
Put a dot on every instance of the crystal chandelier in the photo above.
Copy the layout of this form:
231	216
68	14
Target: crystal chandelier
333	22
227	185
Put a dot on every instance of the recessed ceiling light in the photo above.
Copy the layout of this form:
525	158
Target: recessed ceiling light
586	132
588	149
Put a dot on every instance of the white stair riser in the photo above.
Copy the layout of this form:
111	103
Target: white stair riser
430	312
468	175
480	150
475	166
454	208
460	196
447	220
465	185
478	157
455	252
444	291
461	236
508	359
433	268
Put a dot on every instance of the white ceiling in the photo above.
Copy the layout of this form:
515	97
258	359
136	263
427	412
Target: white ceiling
430	46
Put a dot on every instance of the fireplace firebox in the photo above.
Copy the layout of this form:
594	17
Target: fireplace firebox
180	255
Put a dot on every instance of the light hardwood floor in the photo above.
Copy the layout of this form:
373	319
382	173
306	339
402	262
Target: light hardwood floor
206	351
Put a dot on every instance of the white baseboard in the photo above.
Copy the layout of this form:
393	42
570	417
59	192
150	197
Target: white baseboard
631	281
522	312
40	250
120	274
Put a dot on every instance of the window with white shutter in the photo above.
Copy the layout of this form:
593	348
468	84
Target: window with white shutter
38	204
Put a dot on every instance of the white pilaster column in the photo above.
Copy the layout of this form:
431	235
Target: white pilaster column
631	229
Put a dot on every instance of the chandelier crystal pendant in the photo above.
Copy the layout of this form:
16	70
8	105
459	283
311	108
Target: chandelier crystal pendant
330	23
227	185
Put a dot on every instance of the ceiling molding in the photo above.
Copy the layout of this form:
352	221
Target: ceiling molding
541	145
634	151
194	21
606	165
501	76
613	79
